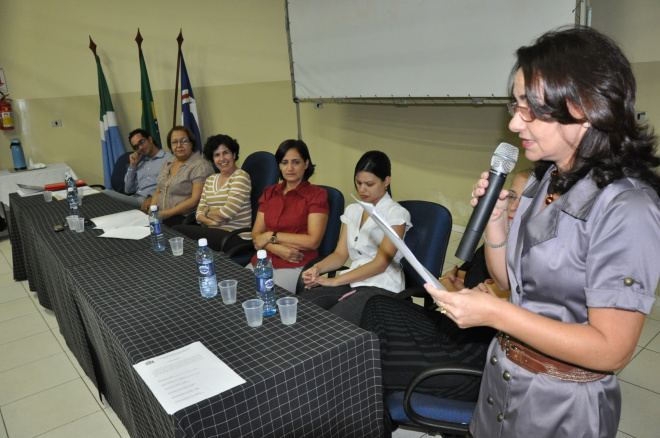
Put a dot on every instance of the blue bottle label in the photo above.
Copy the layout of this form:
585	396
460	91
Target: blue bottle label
265	285
155	227
206	270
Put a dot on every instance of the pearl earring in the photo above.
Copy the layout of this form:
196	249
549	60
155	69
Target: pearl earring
586	124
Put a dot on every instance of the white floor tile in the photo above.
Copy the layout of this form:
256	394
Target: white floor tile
654	345
48	410
650	330
97	422
620	434
35	377
643	371
22	327
50	318
12	292
26	350
639	414
112	415
655	311
408	433
16	308
3	431
5	268
6	279
74	362
95	392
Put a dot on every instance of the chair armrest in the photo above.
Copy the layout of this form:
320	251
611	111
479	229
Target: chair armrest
96	186
431	371
231	234
190	220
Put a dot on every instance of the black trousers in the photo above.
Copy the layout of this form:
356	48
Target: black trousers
214	236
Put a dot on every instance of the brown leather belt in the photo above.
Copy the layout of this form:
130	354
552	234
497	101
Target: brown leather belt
538	363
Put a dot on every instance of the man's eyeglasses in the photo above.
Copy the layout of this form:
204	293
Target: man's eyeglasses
525	113
139	143
182	142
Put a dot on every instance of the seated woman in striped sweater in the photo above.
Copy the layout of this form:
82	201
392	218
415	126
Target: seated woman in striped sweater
225	203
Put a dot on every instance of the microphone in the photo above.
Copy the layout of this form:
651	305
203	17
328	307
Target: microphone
504	160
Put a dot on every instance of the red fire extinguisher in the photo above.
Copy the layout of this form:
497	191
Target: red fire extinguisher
6	119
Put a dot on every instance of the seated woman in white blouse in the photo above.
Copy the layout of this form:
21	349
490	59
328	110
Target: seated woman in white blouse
376	268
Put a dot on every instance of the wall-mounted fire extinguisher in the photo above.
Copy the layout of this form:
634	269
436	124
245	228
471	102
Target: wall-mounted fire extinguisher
6	119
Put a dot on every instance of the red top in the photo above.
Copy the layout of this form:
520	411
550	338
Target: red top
288	214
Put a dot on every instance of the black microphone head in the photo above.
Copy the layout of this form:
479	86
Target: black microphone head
504	158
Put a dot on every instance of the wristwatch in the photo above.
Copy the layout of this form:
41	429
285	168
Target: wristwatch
273	238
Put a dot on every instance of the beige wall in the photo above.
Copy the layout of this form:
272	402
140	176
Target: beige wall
237	58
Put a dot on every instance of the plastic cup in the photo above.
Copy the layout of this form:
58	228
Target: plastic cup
254	312
71	220
80	224
176	243
228	291
288	307
48	196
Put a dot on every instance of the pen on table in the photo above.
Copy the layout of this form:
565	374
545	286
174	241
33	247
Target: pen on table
346	295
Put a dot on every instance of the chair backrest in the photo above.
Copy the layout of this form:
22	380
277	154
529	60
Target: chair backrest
332	231
427	239
264	171
119	171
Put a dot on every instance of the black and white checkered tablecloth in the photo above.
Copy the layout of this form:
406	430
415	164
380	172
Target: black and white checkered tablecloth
317	378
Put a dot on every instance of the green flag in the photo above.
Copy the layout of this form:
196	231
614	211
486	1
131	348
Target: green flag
149	119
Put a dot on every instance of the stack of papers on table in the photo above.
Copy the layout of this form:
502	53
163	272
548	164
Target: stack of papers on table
131	224
28	190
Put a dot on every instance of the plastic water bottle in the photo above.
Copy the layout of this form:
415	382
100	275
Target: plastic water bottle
263	274
208	285
71	183
72	200
155	224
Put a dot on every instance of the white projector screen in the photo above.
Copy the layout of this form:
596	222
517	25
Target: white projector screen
413	48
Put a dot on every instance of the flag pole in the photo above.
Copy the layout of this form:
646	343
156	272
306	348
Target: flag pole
176	83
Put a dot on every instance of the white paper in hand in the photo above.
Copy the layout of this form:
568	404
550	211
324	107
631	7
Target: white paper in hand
400	244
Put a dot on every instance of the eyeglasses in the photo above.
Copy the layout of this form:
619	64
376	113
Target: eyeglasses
182	142
525	113
512	198
139	143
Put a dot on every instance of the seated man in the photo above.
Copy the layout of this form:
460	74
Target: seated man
142	173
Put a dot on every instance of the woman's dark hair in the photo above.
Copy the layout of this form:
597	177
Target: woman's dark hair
587	68
375	162
215	141
301	147
189	133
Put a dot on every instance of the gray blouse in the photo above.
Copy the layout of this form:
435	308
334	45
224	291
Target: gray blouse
178	188
590	248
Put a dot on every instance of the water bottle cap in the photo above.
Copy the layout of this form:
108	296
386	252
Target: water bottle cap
154	208
262	254
15	141
202	242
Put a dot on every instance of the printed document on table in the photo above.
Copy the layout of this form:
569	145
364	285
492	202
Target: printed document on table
129	233
400	244
130	218
186	376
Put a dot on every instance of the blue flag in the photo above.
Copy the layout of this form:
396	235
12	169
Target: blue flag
111	143
188	107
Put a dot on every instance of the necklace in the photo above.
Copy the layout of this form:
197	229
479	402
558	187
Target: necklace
551	196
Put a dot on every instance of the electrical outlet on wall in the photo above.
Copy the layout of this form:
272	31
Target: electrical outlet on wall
640	116
56	123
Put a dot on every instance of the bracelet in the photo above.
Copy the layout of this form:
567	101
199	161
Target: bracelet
498	245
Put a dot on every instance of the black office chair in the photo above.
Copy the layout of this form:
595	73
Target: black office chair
427	239
332	231
119	171
429	413
264	171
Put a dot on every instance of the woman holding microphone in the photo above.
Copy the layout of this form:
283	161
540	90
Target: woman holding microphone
580	257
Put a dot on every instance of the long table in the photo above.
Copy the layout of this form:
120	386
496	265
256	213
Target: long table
118	303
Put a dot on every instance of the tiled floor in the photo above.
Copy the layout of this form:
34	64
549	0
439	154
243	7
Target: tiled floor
44	393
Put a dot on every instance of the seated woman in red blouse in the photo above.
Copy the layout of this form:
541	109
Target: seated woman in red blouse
292	216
